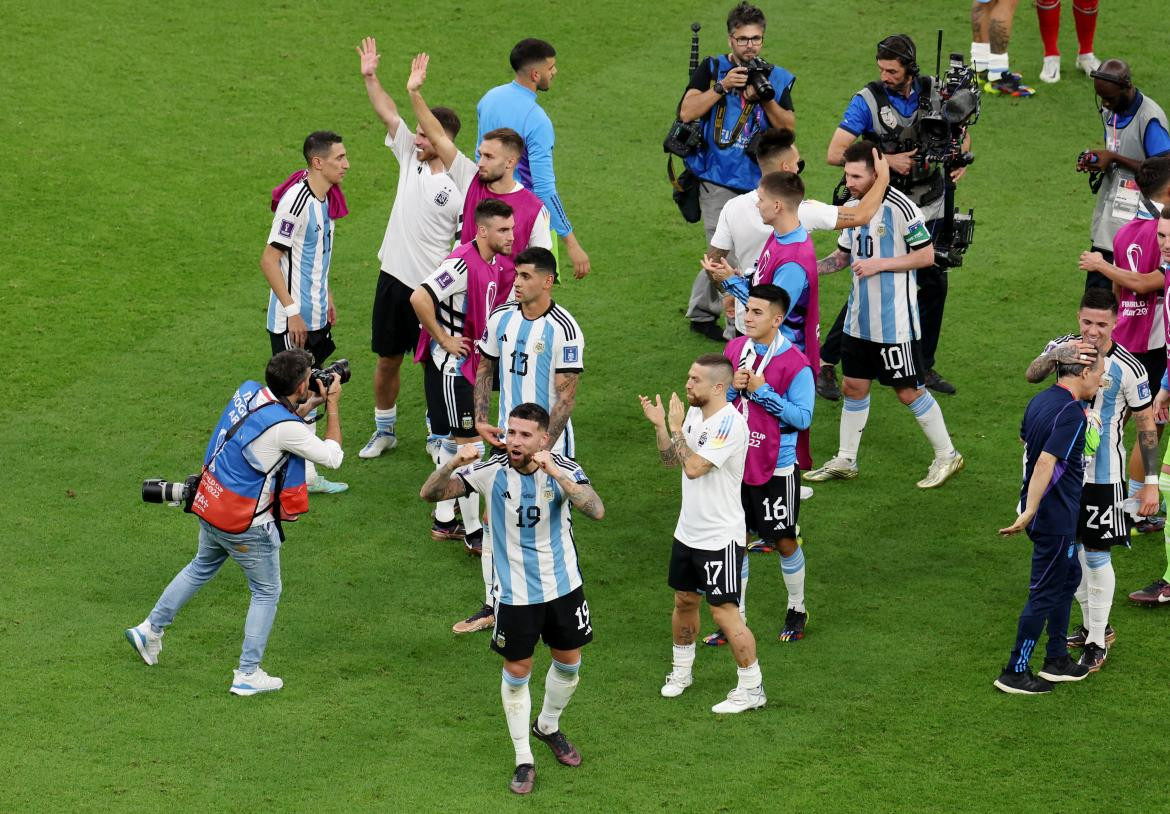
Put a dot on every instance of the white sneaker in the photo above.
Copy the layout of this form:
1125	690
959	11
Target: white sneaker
145	641
941	471
806	492
834	469
254	682
739	700
379	442
675	684
1088	63
1051	71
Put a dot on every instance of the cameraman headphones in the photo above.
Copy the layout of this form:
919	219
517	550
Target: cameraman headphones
1122	80
902	47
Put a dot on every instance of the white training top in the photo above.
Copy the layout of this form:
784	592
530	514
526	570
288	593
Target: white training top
424	220
712	514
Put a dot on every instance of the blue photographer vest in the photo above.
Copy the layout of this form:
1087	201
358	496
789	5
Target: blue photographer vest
229	491
730	166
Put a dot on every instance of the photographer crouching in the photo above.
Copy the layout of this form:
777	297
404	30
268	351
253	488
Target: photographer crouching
734	97
253	478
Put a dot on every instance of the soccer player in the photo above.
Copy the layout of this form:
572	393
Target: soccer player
1053	432
452	305
541	596
500	151
423	219
1085	17
514	106
1124	391
539	352
881	338
300	305
991	29
710	444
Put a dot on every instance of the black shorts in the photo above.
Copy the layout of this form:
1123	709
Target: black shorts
450	405
563	624
394	327
773	508
318	342
1154	361
1102	519
713	573
897	365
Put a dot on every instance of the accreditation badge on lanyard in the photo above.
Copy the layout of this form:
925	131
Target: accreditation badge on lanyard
748	360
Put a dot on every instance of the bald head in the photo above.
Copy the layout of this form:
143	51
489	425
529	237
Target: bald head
1113	83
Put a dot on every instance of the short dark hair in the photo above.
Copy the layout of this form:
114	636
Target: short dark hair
899	47
1099	299
786	186
1153	175
286	370
529	411
1076	368
448	119
719	364
490	208
528	52
539	258
860	151
772	293
319	143
745	14
508	137
774	141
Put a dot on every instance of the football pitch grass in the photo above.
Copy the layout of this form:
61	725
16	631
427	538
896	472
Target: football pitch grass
142	144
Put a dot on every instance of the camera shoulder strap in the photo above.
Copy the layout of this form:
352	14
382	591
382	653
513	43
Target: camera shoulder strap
236	428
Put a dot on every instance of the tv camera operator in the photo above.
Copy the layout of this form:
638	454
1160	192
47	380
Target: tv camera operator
920	124
731	98
253	478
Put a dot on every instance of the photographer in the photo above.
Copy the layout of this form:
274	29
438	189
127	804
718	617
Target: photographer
253	478
736	96
887	112
1135	129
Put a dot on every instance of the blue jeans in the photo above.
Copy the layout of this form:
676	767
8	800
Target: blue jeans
257	551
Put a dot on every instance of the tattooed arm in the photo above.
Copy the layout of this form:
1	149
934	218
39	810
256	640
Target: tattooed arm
566	386
482	399
834	262
693	465
1075	351
1147	439
441	485
583	497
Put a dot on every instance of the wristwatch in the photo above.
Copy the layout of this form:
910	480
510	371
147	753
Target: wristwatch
718	88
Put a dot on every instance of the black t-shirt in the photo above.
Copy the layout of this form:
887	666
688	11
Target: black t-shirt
702	78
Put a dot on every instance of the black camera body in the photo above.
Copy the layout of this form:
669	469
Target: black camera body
946	114
684	138
758	73
173	493
340	369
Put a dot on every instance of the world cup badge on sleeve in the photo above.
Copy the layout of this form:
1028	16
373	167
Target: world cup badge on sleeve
286	227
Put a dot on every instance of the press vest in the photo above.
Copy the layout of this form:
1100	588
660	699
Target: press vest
895	133
229	491
1119	198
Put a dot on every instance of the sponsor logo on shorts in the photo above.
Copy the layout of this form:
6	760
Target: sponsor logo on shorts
570	354
445	279
286	228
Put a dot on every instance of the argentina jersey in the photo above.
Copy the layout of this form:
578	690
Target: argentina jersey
534	556
883	308
530	354
303	229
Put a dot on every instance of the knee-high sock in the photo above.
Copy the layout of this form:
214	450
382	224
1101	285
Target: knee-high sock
980	53
517	710
1085	17
743	580
792	568
853	418
1048	14
930	418
468	506
485	564
559	685
1102	582
1082	593
440	454
683	659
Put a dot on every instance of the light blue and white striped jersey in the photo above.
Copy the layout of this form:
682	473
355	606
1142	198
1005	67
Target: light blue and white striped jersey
1125	388
533	553
303	229
529	353
884	307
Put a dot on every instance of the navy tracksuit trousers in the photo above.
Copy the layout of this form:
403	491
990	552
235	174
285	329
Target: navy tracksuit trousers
1056	572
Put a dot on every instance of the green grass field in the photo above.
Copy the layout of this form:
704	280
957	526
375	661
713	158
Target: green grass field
143	142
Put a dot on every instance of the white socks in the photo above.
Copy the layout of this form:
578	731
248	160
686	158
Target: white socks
443	452
384	420
930	418
559	685
468	506
684	659
980	54
750	677
997	66
793	570
1102	582
853	418
517	711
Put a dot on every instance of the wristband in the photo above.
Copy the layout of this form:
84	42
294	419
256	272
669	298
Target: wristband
1151	480
292	309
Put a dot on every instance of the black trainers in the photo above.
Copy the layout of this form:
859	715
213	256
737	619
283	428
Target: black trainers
937	383
1063	669
1022	683
562	750
1077	639
710	330
447	531
794	622
473	543
1093	657
827	383
1156	593
523	778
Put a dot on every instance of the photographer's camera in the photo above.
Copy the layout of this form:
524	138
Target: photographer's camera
173	493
